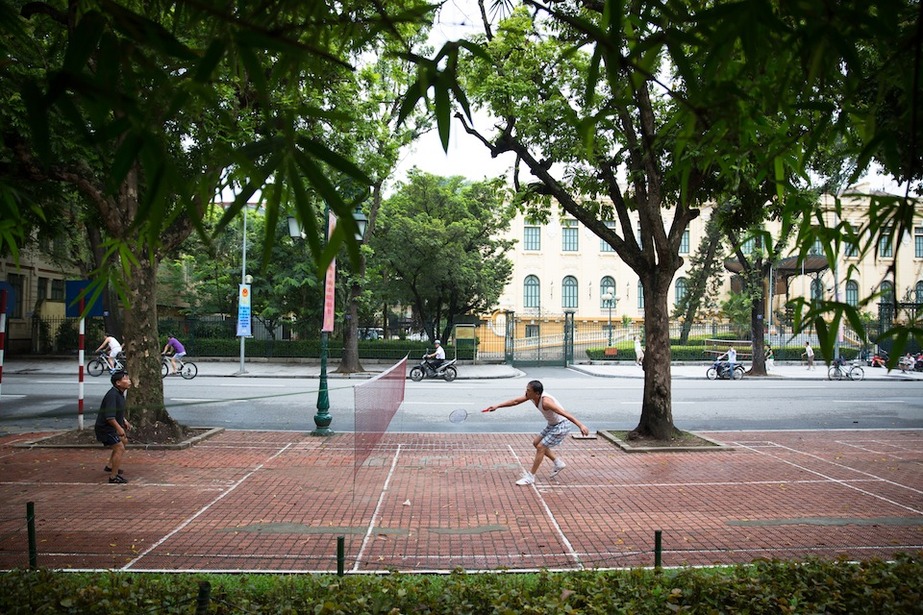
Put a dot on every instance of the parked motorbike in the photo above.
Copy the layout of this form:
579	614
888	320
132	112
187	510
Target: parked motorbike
722	371
425	369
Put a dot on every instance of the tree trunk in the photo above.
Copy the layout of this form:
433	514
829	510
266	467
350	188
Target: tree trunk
757	328
656	406
350	364
142	345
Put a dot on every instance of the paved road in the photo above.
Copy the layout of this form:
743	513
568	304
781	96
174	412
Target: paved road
282	397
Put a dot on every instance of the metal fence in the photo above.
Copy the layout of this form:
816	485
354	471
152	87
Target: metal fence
505	338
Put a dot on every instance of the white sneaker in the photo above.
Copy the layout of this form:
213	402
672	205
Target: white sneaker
558	466
527	479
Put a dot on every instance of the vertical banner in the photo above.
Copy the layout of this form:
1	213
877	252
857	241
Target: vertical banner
330	283
243	311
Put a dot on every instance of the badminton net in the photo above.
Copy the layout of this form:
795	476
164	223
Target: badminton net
376	403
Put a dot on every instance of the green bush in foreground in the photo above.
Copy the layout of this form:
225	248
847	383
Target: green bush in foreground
764	587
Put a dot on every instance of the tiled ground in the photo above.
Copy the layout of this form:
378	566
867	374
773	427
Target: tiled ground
278	501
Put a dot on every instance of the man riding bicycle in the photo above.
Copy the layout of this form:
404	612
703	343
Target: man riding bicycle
176	348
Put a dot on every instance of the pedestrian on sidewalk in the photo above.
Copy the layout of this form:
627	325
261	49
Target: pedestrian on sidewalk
111	424
639	351
554	433
809	355
769	357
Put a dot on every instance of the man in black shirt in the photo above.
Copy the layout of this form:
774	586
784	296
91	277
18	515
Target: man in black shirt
111	424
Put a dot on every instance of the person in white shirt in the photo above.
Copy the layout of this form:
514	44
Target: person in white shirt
114	349
808	354
731	356
555	431
437	356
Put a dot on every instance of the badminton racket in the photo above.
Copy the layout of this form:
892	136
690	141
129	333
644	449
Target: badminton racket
458	415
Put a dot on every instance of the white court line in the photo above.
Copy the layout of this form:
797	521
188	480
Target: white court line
842	482
381	499
573	553
205	508
11	396
869	450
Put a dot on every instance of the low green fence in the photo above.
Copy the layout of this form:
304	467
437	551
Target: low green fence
385	350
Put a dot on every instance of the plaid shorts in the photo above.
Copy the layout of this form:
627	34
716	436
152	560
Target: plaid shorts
553	435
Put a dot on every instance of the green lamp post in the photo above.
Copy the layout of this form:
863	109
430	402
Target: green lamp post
323	418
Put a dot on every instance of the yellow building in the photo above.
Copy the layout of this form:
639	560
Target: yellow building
561	266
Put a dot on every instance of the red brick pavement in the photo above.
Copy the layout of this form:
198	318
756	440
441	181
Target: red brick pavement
277	501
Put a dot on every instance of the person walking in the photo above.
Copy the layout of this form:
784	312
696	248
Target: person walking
770	358
639	351
114	349
111	424
176	350
808	354
552	435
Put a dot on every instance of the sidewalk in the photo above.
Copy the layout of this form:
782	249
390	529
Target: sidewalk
262	368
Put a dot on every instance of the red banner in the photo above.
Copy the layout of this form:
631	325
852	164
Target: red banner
330	283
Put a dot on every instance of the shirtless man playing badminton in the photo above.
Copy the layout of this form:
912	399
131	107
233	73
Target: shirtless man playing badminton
554	433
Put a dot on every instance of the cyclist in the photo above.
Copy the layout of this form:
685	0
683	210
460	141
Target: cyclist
114	349
178	351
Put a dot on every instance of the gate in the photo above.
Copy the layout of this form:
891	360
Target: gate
532	342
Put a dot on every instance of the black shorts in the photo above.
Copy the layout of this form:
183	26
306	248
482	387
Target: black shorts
108	438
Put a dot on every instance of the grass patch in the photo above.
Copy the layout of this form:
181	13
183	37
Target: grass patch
763	587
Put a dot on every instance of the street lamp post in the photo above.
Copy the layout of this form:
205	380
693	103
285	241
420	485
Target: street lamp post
323	419
608	297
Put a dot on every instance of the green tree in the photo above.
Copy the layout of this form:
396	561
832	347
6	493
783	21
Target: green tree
703	280
577	134
439	240
149	110
377	145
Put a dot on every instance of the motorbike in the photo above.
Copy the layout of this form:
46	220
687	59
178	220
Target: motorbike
722	371
425	369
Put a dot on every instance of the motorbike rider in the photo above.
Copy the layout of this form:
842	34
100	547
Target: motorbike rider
437	356
731	356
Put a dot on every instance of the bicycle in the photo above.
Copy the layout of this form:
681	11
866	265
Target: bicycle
839	371
186	369
99	364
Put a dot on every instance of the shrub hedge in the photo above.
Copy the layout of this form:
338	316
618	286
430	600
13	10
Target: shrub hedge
764	587
368	349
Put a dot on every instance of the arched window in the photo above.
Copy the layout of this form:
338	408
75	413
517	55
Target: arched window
887	292
531	292
852	293
680	289
640	296
817	290
918	292
607	286
569	292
